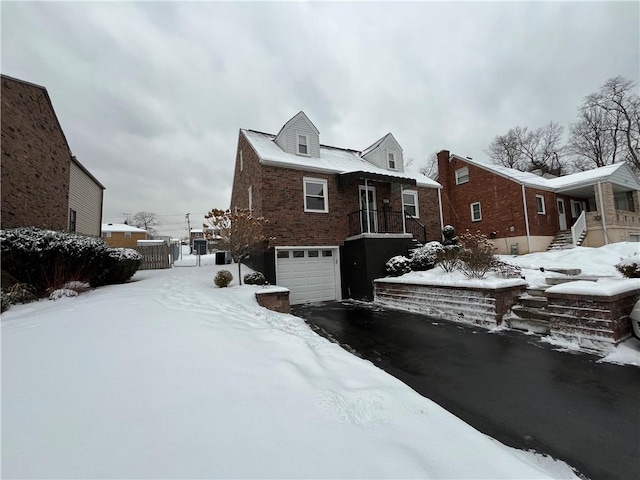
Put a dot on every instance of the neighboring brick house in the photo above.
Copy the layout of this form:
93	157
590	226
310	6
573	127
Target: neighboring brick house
523	212
43	184
123	235
335	214
210	234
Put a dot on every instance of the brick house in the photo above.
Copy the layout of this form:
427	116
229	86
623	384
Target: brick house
523	212
210	234
123	235
335	215
43	184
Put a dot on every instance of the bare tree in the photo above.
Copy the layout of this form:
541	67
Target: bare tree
146	220
608	126
529	150
240	232
430	168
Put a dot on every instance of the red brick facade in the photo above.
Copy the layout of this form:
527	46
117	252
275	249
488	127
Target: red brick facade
35	159
278	195
501	201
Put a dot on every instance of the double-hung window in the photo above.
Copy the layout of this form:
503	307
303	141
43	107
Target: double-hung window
410	203
315	195
391	160
302	144
476	212
540	205
462	175
250	193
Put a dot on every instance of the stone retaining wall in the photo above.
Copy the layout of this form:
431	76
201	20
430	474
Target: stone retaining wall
479	306
274	299
591	318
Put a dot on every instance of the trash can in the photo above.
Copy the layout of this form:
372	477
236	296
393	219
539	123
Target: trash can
221	258
175	252
200	246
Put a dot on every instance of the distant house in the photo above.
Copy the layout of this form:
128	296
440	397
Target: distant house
123	235
43	184
210	234
522	212
336	215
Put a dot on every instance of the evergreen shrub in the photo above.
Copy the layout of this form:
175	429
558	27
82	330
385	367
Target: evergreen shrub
223	278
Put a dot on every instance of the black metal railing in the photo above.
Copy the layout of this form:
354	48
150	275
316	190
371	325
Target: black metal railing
385	221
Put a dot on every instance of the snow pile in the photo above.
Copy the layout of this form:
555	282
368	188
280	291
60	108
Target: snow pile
170	377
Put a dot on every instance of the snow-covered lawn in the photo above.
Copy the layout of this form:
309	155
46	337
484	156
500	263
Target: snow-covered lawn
170	377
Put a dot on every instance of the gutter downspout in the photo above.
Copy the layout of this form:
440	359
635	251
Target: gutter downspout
441	215
404	215
366	196
604	222
526	218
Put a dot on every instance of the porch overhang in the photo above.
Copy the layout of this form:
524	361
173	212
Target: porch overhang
345	179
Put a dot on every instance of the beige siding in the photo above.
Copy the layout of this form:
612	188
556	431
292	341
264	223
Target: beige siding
85	197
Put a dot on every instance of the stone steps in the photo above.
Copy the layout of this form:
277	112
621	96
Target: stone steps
530	314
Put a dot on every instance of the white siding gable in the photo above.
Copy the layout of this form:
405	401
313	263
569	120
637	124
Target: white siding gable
379	153
299	125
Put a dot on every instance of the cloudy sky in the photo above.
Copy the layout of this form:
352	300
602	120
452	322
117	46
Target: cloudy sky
151	95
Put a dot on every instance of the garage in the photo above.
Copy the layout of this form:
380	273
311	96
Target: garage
311	274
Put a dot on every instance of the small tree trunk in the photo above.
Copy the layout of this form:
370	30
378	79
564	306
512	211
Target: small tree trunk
239	272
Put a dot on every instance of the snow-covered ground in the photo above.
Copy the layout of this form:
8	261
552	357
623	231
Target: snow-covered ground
170	377
536	267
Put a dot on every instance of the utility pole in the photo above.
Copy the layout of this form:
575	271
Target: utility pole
188	230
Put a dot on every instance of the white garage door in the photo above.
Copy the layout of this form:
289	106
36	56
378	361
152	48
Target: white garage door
309	274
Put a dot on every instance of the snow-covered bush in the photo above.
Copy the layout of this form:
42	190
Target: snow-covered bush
223	278
449	257
506	270
398	265
62	292
254	278
21	293
477	256
629	267
119	265
425	257
5	302
47	259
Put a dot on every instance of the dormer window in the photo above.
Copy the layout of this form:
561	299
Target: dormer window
391	160
303	144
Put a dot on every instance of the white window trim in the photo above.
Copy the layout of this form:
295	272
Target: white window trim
415	199
324	189
479	211
250	191
391	157
127	234
298	152
544	209
458	175
241	161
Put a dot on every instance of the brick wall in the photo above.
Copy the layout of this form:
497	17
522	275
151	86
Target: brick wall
276	300
500	199
117	239
35	160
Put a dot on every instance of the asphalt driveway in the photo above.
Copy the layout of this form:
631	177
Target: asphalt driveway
508	385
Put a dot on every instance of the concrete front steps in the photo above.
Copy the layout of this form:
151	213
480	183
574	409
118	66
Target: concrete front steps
564	240
531	313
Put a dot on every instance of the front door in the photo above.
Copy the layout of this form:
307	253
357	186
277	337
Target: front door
562	217
368	209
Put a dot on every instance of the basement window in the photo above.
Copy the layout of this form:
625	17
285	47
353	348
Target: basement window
476	212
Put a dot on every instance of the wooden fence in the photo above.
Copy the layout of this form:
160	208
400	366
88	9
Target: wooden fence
154	257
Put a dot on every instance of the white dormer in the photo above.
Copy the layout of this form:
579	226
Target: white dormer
385	153
299	136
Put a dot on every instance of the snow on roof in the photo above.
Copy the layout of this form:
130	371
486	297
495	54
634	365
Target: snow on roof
588	177
121	227
332	159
